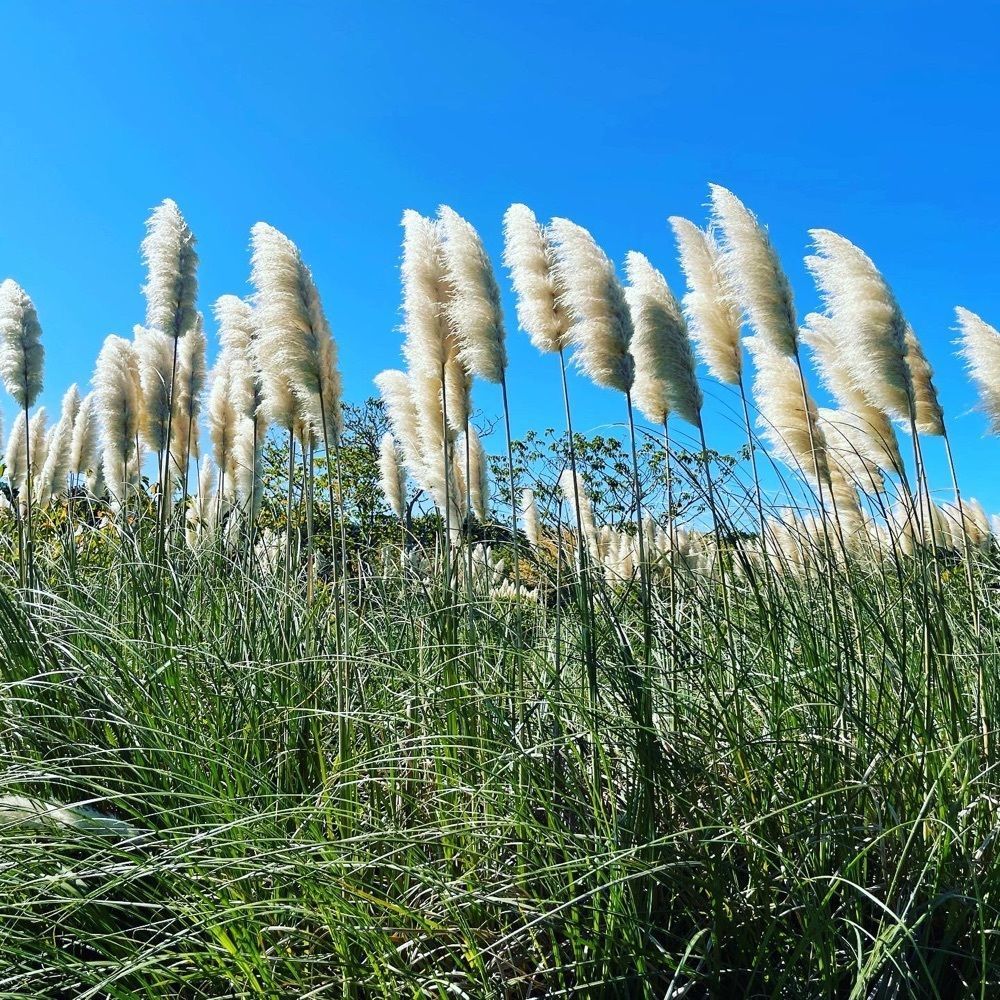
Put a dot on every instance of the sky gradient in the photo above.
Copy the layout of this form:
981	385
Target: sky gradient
875	119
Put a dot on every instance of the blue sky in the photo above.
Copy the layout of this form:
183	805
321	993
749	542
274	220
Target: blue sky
876	119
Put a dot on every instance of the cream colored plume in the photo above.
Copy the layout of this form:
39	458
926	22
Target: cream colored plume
294	334
529	518
979	346
171	288
665	378
155	351
788	423
116	384
38	437
188	386
712	311
572	489
202	513
849	447
392	475
928	415
473	305
867	321
22	356
223	418
83	457
602	326
401	408
55	473
753	272
830	359
530	258
479	482
429	342
15	457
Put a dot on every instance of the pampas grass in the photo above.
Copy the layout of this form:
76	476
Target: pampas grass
21	353
171	288
155	351
58	460
83	457
979	347
15	456
392	476
119	405
188	385
927	412
478	476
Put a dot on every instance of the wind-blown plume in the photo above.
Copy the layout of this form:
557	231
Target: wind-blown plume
980	348
753	272
21	353
530	258
867	321
473	306
665	378
585	523
188	386
222	418
479	483
155	351
928	415
171	288
116	383
602	326
15	458
529	518
401	407
38	438
848	447
789	423
392	475
202	514
712	311
879	438
58	459
83	447
294	332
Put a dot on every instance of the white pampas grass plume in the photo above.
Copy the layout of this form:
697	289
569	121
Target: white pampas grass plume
849	447
665	378
867	320
712	311
155	351
392	475
979	346
429	339
458	390
202	514
530	258
116	383
831	360
294	334
21	353
479	482
188	386
171	288
222	416
602	326
789	423
753	273
15	457
401	408
83	447
58	460
39	440
473	306
529	519
928	415
572	488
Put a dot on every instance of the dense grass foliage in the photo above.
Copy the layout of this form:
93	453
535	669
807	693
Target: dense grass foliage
215	784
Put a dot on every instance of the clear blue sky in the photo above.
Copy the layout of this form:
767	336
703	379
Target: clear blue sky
876	119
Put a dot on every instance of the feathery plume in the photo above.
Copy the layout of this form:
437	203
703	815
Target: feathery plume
867	321
753	272
665	378
928	415
429	340
529	518
21	353
155	351
202	513
188	386
15	458
392	475
396	390
826	345
171	288
83	447
39	440
530	259
585	523
116	384
712	311
848	446
473	306
58	459
602	327
479	483
980	348
222	416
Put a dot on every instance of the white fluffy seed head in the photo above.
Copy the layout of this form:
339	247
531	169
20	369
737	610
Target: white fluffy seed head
171	288
849	448
529	518
222	415
788	422
117	386
188	386
573	490
473	305
530	258
392	475
202	513
429	341
979	346
22	356
868	320
55	473
155	351
479	482
83	448
753	272
591	293
15	458
397	394
927	412
665	377
826	343
712	311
